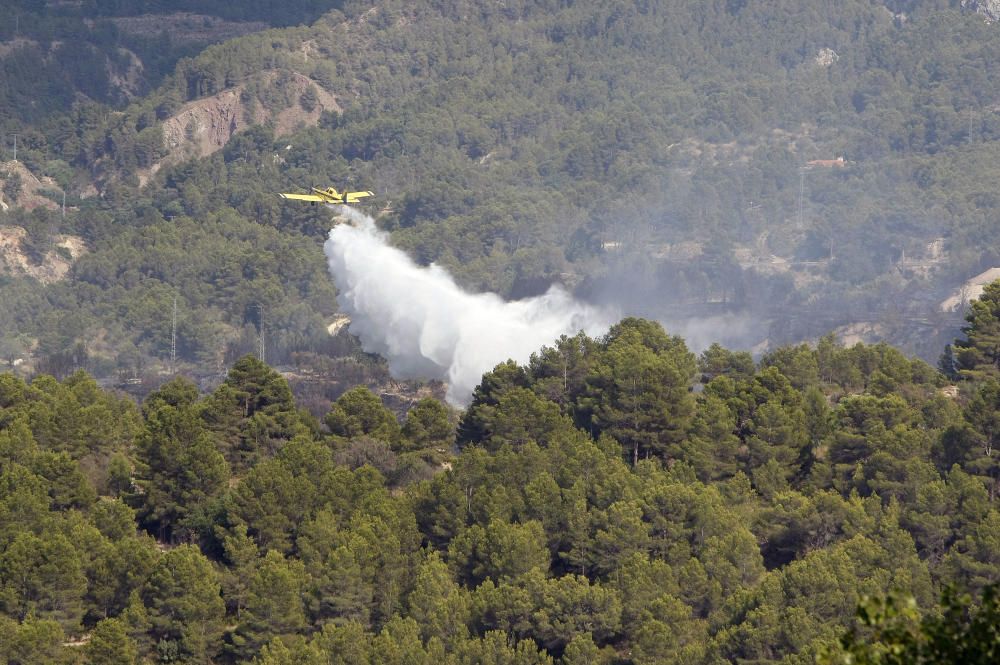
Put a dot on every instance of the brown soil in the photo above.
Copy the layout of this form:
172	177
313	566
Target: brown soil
204	126
54	266
29	197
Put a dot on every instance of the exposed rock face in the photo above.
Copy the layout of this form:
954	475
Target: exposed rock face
988	8
54	265
826	57
204	126
340	322
969	291
29	195
14	260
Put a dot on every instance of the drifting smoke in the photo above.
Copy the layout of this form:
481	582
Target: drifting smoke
731	330
426	326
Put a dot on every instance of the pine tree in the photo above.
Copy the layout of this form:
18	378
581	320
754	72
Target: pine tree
253	412
638	391
428	425
110	644
979	353
184	606
274	604
359	412
440	606
180	469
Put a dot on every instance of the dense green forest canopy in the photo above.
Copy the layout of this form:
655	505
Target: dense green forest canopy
652	154
567	516
899	635
287	12
615	500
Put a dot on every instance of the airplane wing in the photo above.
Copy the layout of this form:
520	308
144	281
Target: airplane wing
354	197
303	197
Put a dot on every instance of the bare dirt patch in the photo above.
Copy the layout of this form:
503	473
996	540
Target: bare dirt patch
54	265
15	44
969	291
204	126
29	197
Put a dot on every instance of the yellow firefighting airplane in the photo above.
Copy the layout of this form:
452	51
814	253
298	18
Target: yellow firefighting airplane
328	195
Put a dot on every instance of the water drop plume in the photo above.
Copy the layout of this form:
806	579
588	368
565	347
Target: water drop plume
427	326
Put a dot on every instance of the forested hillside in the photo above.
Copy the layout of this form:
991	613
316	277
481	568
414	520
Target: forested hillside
655	155
744	170
589	507
57	55
651	154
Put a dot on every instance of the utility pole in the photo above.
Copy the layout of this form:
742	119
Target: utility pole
15	147
173	338
64	217
260	351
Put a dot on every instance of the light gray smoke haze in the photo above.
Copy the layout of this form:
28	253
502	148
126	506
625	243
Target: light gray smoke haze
428	327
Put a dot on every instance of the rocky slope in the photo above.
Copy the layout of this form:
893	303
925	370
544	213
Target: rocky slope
19	187
53	267
988	8
204	126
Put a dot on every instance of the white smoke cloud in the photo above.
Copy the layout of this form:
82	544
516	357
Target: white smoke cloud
426	326
731	330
